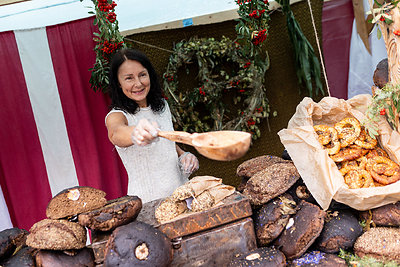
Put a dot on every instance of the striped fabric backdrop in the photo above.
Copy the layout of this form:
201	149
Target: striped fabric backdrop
52	133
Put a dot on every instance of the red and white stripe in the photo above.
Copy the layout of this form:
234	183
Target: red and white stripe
52	123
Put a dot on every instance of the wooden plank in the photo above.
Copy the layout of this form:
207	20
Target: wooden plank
216	247
232	208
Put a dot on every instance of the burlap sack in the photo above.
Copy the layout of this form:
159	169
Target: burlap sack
318	170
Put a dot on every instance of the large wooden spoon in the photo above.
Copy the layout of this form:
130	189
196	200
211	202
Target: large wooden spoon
218	145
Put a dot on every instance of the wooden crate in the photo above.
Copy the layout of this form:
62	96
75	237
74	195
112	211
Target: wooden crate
209	237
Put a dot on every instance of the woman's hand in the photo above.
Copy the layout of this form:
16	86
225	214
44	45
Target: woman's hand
189	163
144	132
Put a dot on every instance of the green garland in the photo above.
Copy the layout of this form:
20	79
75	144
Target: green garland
223	75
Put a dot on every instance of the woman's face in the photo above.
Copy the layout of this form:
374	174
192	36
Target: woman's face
134	80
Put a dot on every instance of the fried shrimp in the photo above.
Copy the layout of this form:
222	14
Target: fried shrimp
349	130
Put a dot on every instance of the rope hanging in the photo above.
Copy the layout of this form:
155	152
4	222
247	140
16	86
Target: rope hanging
319	47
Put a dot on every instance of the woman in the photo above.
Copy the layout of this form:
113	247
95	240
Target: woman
155	166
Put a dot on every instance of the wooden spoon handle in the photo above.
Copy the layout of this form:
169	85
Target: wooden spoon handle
177	136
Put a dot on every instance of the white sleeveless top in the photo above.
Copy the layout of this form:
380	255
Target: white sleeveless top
153	170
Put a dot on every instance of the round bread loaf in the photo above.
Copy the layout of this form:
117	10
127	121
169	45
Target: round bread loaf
341	229
75	200
138	244
320	259
56	235
22	258
116	212
250	167
10	239
387	215
271	182
263	256
272	217
53	258
381	243
300	233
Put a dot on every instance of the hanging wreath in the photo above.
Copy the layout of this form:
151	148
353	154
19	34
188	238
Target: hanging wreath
230	94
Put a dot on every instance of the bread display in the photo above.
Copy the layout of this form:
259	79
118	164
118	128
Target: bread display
56	235
10	240
78	258
299	234
341	229
263	257
272	218
380	243
116	212
271	182
138	244
75	200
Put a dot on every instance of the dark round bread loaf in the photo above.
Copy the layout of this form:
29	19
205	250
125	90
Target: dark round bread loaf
341	229
271	182
57	235
53	258
272	217
138	244
75	200
250	167
10	239
320	259
299	192
381	73
387	215
381	243
263	256
299	235
23	258
116	212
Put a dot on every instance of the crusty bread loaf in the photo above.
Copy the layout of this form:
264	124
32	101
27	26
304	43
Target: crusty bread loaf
341	229
169	209
22	258
75	200
381	73
272	217
299	235
116	212
53	258
10	239
57	235
250	167
381	243
387	215
138	244
271	182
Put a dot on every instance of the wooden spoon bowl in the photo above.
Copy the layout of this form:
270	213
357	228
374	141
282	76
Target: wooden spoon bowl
217	145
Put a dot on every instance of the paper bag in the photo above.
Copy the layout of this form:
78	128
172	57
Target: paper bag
318	170
195	187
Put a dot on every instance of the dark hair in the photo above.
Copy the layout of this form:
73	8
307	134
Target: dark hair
118	99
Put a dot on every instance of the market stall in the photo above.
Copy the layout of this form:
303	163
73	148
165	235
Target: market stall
327	192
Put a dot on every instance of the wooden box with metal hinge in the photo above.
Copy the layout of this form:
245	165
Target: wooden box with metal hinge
208	238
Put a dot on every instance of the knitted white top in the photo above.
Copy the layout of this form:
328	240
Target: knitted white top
153	170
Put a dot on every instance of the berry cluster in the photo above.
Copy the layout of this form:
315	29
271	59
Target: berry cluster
104	6
256	13
259	37
110	47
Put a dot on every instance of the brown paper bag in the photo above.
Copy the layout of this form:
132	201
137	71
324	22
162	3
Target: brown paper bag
318	170
195	187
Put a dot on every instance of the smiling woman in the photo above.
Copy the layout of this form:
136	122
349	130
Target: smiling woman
155	166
